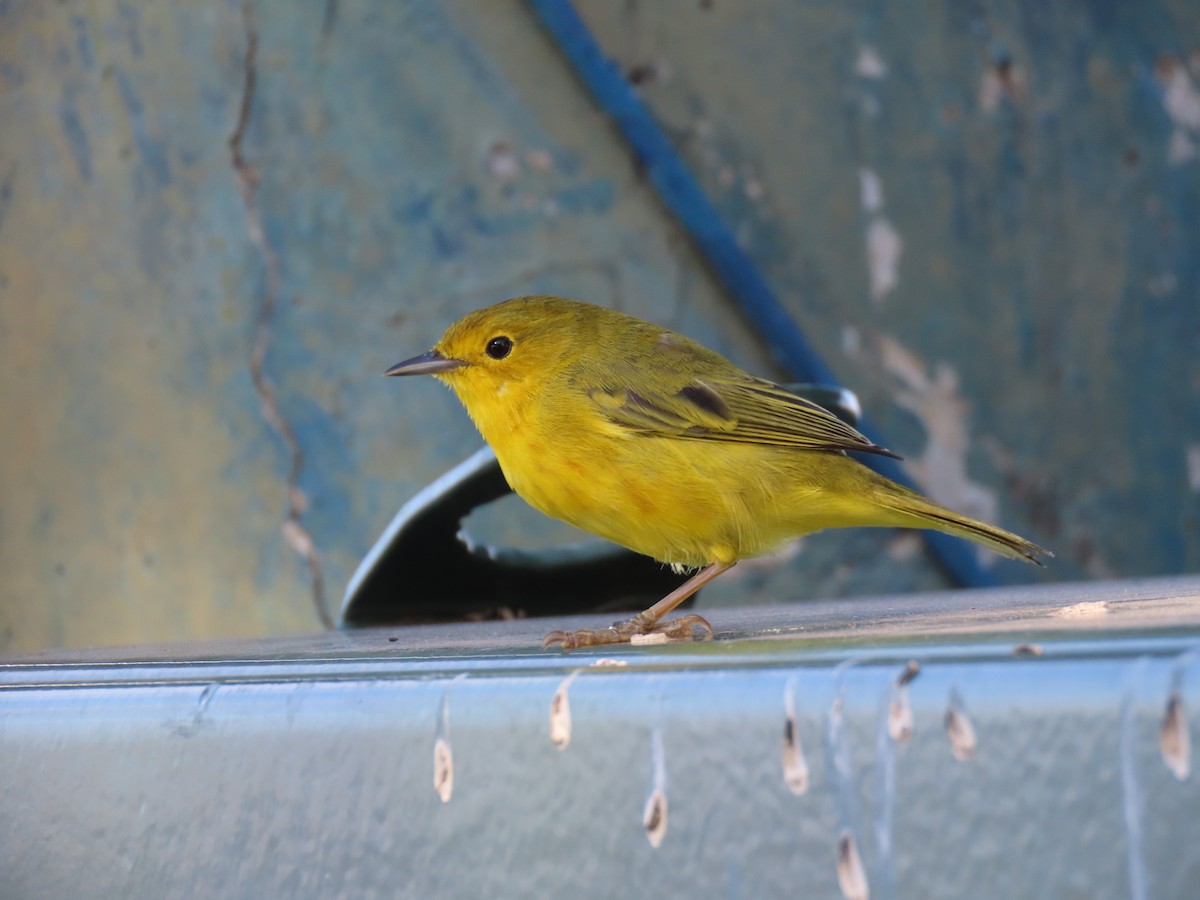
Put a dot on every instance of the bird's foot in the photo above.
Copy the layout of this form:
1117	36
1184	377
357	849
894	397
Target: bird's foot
682	628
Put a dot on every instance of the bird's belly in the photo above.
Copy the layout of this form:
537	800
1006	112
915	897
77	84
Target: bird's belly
658	497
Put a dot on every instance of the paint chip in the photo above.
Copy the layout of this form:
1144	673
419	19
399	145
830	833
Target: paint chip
900	716
960	731
1174	741
502	161
654	815
1181	100
934	398
560	713
539	160
869	64
851	341
443	769
905	545
1085	610
870	191
884	249
1003	79
654	818
795	766
852	878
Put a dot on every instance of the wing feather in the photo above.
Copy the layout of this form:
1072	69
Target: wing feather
746	410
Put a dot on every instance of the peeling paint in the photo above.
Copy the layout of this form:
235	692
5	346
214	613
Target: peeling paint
869	64
870	190
935	400
1181	100
884	248
960	730
851	875
502	161
884	244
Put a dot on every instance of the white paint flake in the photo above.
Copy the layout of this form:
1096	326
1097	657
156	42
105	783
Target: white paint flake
869	63
935	400
884	248
884	244
870	189
1181	100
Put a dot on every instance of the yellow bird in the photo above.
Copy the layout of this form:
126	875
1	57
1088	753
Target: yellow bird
644	437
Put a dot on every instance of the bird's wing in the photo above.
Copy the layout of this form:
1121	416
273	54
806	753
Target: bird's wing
749	410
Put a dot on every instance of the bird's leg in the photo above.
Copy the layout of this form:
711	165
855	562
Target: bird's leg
648	622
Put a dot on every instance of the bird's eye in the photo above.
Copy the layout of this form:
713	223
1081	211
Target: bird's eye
499	347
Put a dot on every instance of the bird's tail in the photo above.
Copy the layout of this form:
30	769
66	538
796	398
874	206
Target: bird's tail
909	509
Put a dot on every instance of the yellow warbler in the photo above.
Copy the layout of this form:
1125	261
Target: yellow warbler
646	438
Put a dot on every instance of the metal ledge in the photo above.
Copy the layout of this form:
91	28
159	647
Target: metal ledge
1047	740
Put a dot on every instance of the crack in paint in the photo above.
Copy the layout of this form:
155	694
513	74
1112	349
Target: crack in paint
246	177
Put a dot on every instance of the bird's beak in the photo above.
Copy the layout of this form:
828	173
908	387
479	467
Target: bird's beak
431	363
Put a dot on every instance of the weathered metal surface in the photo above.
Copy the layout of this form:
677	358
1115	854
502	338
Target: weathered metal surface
988	214
993	743
1036	354
138	466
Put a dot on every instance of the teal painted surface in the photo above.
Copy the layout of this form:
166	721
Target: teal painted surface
1037	354
1032	172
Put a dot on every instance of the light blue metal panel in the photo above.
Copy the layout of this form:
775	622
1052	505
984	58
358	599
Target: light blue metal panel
1032	755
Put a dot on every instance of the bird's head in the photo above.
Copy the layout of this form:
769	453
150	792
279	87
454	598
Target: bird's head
498	356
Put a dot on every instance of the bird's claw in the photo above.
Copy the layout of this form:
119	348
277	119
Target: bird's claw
682	628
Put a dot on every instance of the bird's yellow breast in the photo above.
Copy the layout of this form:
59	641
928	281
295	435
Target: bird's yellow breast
680	501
